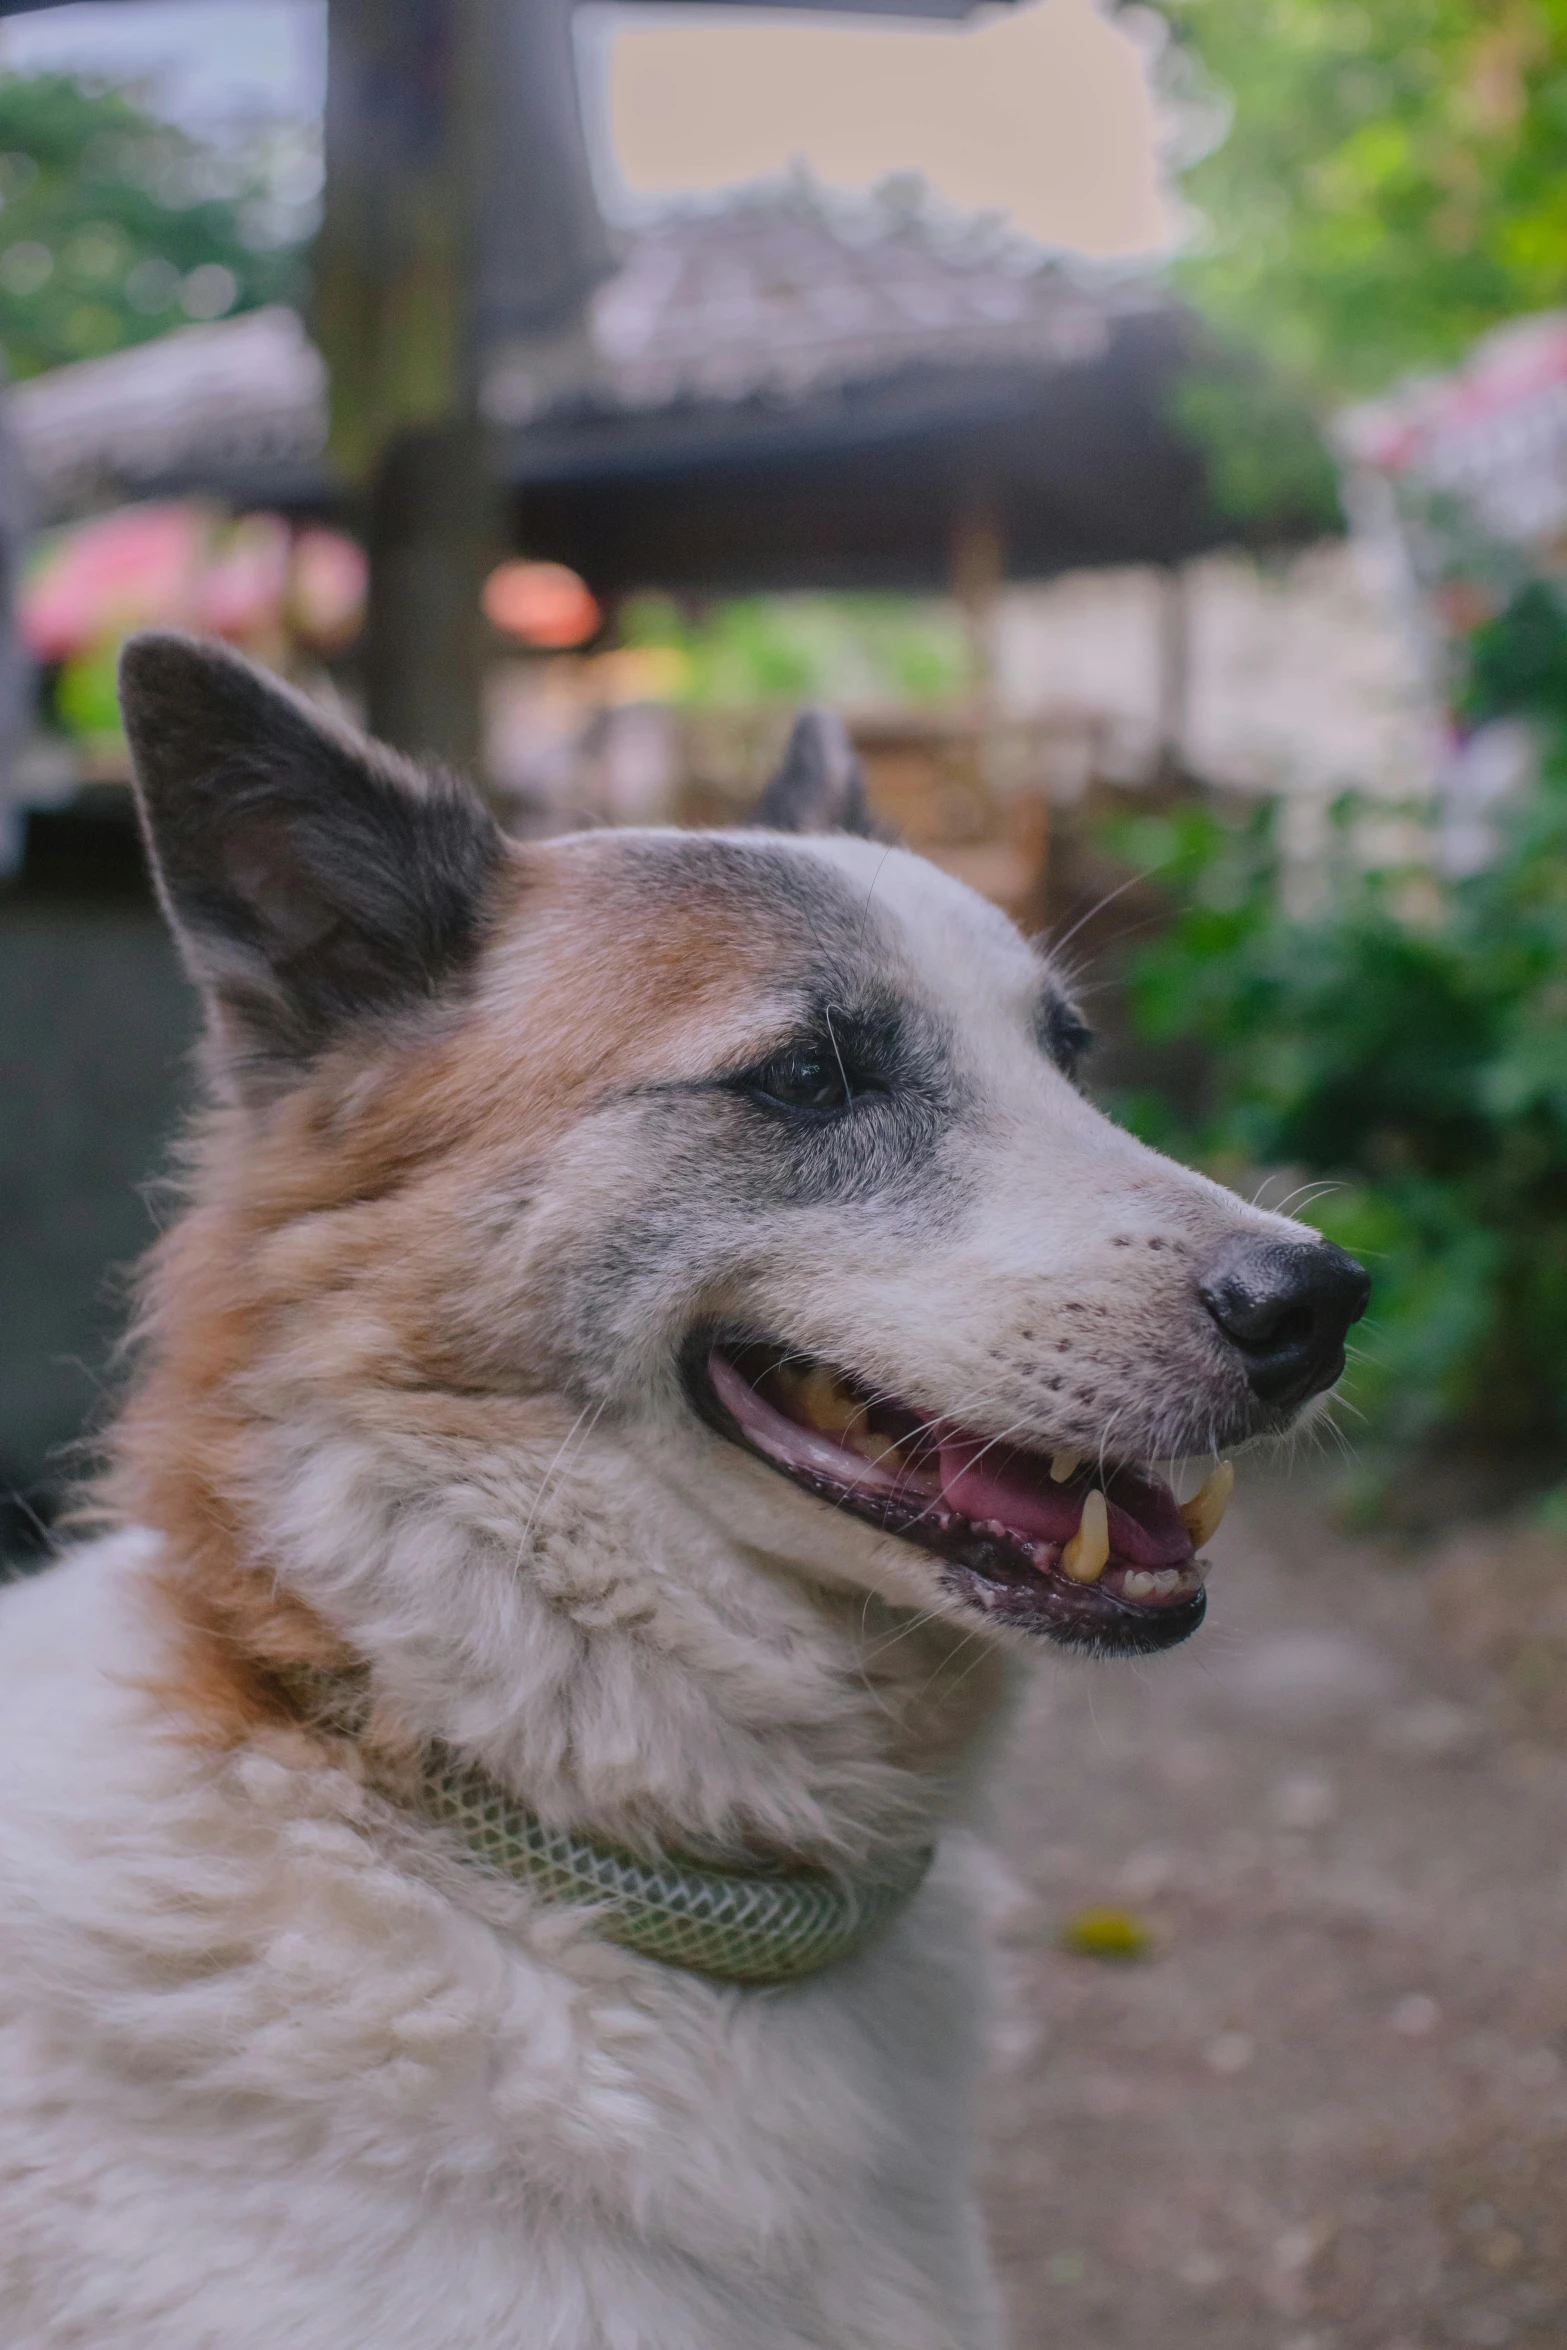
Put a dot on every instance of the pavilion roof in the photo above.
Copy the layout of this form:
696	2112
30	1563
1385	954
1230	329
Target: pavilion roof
785	290
786	387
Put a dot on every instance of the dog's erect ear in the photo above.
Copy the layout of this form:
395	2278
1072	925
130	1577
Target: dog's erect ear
310	877
819	787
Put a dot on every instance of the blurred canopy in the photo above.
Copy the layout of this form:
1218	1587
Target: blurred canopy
115	226
1379	181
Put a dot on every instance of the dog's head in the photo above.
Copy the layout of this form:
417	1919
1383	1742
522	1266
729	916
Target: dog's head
759	1153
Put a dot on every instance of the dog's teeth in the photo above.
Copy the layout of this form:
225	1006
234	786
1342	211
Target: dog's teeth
1203	1515
1064	1465
1087	1555
827	1403
1139	1584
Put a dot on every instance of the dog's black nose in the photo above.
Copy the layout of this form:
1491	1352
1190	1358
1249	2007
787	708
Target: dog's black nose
1285	1305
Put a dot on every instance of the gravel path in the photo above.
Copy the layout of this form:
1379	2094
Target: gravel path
1330	2111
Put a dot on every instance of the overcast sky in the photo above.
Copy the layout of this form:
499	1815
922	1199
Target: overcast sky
206	60
1042	111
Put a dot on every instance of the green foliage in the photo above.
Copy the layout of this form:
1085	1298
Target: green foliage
1409	1044
802	648
1268	466
1518	660
1389	184
115	226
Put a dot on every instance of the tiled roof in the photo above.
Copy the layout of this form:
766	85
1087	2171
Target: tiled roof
785	290
779	295
204	407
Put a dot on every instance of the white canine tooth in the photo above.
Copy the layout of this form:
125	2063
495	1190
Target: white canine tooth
1203	1515
1167	1579
1088	1553
1064	1465
1139	1584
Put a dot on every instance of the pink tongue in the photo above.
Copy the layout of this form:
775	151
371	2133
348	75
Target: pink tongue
992	1481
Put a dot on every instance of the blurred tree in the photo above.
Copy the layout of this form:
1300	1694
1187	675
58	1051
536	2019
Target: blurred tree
1379	181
115	226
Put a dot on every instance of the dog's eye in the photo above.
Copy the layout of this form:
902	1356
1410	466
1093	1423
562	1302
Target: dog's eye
1065	1037
804	1077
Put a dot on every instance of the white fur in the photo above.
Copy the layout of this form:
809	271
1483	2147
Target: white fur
273	2074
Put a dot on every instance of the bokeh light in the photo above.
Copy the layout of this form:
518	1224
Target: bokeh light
543	604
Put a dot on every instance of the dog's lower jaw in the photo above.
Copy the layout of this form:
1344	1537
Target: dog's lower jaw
913	1479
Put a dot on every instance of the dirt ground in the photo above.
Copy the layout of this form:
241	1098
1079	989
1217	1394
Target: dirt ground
1330	2111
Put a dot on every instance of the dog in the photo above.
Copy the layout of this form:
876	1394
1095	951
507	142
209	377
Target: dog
654	1337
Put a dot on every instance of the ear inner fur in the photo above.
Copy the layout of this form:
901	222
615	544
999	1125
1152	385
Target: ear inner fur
312	879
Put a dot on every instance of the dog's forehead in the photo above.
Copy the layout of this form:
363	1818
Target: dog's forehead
963	948
758	897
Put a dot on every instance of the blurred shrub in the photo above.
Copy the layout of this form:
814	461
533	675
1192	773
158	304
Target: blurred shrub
1408	1044
1517	661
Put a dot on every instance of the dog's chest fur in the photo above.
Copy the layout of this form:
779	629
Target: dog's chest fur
279	2072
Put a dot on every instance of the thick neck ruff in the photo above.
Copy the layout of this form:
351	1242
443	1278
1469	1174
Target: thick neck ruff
733	1925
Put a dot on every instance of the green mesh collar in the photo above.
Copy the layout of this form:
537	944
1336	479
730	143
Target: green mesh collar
737	1926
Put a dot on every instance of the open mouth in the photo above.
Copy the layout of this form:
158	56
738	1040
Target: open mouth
1092	1555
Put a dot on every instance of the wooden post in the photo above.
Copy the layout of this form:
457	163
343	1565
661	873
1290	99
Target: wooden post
394	268
1174	680
979	566
459	212
433	529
